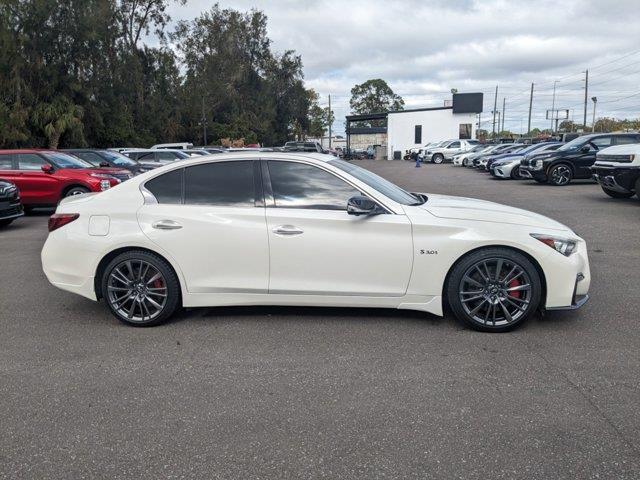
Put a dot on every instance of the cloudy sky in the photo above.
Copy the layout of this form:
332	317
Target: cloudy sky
425	48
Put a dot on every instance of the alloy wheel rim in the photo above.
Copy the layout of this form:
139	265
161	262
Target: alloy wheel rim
136	290
561	175
495	292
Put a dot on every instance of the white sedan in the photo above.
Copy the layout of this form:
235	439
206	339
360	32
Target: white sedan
257	228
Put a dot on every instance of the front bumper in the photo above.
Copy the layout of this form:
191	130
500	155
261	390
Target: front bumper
619	179
528	172
568	279
13	210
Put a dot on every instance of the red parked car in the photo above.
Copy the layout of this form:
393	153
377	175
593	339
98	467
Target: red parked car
44	177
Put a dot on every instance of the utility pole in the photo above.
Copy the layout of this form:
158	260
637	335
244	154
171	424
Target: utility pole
553	104
504	100
203	121
495	107
586	93
530	105
330	122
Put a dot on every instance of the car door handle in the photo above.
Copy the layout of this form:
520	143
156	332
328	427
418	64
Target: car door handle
287	230
166	225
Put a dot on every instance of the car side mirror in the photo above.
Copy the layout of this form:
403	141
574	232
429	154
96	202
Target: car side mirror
47	168
104	164
361	205
585	149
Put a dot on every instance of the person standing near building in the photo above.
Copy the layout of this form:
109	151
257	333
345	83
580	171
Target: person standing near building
414	156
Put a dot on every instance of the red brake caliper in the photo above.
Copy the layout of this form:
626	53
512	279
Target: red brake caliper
157	283
514	283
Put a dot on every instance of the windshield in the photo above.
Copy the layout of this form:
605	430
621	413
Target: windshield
118	159
574	144
62	160
378	183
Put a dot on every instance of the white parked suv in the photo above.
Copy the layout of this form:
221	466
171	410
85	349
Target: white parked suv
617	170
262	228
446	150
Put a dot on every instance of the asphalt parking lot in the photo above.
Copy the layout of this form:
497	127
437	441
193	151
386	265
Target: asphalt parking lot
240	393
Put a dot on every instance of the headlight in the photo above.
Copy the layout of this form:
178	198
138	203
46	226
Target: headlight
105	185
561	245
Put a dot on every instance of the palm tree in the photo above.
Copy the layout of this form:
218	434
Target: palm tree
57	117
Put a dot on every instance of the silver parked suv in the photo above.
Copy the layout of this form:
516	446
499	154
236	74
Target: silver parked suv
446	150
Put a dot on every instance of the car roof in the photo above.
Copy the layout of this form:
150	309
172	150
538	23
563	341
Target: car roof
28	150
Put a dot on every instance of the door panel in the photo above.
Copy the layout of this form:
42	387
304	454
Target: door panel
218	249
36	187
334	253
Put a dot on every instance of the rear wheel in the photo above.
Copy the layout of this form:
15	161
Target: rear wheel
560	175
614	194
494	290
438	158
140	288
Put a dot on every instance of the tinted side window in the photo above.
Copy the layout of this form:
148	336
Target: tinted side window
221	183
296	185
166	156
5	162
454	145
626	139
149	156
601	142
30	161
167	188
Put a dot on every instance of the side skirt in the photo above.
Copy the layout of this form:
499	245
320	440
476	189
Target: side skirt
423	303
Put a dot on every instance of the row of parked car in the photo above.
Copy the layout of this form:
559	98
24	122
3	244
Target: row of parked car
611	159
35	178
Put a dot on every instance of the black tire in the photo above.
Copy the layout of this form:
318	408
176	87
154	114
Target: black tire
6	223
614	194
437	158
464	162
75	191
638	188
494	294
560	175
515	173
168	284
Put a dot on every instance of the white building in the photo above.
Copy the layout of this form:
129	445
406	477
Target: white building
402	130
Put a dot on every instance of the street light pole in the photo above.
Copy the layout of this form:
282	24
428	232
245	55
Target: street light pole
553	104
593	123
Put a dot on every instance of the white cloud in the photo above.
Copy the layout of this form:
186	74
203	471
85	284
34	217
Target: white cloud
424	48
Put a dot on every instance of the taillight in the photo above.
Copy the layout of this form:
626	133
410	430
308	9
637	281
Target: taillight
58	220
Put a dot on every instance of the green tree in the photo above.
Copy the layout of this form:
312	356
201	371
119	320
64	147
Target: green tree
374	96
58	117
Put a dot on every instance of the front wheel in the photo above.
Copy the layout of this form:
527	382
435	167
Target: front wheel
438	158
494	290
515	173
140	288
76	191
560	175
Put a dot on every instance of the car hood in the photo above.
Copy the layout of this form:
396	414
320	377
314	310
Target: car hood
461	208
